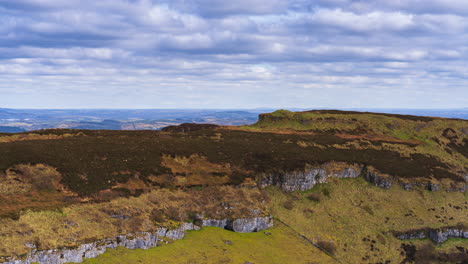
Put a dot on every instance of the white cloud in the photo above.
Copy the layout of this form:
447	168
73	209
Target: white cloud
372	21
188	42
231	53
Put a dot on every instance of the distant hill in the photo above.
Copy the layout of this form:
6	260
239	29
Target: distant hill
10	129
153	119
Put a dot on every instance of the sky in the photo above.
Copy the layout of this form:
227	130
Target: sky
233	54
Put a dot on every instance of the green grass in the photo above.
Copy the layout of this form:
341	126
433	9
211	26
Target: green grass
356	213
351	213
208	246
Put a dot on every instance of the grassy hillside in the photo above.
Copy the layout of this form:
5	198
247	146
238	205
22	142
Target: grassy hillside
86	185
359	219
85	222
351	220
445	139
92	161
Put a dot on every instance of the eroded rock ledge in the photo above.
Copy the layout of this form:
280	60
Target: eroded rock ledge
142	240
303	180
306	179
437	235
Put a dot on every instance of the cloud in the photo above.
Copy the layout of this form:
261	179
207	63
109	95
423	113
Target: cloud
374	21
213	53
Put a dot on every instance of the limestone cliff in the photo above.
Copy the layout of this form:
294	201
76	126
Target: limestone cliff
302	180
437	235
141	240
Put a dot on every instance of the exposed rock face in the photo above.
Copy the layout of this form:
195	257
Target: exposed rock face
346	173
248	225
377	180
438	235
305	180
222	223
241	225
458	186
143	240
179	232
297	180
441	235
418	234
407	185
433	187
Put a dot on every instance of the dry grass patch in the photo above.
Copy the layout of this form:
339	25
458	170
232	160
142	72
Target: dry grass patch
27	186
193	170
32	136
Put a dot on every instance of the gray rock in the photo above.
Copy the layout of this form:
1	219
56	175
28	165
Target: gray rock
438	236
407	186
419	234
296	180
346	173
433	187
374	178
455	188
441	235
248	225
143	240
180	232
221	223
305	180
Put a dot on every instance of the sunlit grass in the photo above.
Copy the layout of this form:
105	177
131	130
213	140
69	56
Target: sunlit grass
215	245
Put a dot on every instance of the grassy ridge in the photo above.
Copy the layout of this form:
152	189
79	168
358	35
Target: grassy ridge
94	161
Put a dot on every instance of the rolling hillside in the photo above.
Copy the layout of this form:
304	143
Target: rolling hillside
333	179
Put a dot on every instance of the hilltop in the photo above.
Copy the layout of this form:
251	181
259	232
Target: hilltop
97	184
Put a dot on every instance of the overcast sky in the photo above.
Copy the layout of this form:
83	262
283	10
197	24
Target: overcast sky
233	54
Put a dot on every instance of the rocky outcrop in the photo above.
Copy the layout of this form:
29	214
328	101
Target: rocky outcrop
296	180
426	184
303	180
441	235
248	225
415	234
378	180
307	178
222	223
143	240
437	235
346	173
